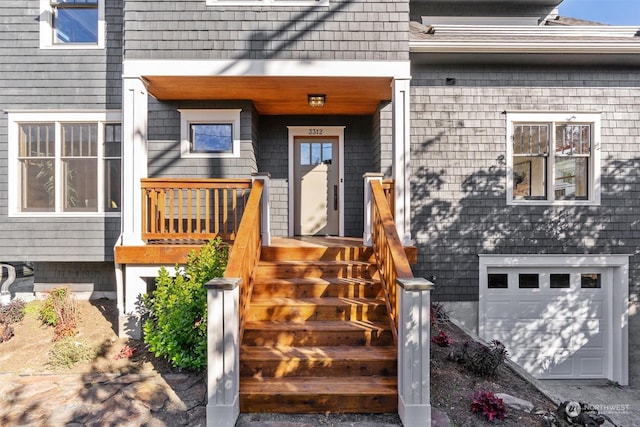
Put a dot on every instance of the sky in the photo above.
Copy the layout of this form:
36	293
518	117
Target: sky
613	12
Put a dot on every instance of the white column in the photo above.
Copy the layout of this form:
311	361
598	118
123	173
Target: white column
401	158
414	340
134	157
265	214
368	205
223	352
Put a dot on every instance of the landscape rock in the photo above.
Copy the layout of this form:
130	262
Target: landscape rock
515	403
439	418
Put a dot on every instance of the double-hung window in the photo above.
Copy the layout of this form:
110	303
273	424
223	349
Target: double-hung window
64	163
72	23
553	158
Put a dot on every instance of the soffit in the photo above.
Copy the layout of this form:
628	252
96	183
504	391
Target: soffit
279	95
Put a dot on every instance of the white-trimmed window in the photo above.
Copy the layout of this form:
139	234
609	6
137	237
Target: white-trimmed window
553	158
268	2
64	163
210	133
72	24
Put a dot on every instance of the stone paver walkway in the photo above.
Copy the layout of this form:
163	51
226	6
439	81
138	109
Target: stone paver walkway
135	400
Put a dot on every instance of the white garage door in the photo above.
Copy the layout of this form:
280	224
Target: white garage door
555	323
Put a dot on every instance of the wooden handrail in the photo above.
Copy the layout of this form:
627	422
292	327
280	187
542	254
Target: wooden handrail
388	186
390	256
245	252
192	209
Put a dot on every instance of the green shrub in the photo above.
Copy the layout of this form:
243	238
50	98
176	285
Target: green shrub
177	325
50	307
68	351
12	312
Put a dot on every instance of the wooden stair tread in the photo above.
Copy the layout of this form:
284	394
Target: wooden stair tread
263	263
343	386
314	281
330	301
318	325
287	353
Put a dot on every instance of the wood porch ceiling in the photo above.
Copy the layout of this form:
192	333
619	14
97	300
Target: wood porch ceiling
279	95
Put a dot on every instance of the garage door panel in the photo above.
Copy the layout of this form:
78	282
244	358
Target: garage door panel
551	333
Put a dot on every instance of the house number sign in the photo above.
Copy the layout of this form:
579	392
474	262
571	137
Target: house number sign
314	131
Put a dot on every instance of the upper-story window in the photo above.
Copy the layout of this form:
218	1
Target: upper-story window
72	24
553	158
210	133
64	163
268	2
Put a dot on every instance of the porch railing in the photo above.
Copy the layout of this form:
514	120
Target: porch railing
388	186
192	209
245	252
391	257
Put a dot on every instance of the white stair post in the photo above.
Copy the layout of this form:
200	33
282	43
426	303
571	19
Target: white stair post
414	340
223	352
368	205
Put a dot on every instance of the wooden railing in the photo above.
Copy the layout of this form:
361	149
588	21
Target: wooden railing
391	257
192	209
388	186
245	252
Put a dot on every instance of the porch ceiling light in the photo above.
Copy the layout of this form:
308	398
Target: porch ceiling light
316	100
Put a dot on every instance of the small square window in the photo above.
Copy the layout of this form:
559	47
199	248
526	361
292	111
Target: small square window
72	24
528	281
210	133
560	281
590	281
211	137
498	281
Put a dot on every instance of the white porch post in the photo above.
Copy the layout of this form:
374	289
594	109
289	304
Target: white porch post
401	158
368	205
265	219
223	352
414	340
134	156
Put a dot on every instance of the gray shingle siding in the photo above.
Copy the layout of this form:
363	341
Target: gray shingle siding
458	150
164	158
346	30
359	159
100	274
54	79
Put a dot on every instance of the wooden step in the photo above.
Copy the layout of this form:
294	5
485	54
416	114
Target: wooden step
316	287
333	269
359	253
301	309
317	333
339	361
319	395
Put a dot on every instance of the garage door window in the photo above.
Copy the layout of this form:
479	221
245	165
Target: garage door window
559	281
528	281
590	281
498	281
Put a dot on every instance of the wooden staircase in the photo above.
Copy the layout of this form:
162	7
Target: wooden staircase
317	336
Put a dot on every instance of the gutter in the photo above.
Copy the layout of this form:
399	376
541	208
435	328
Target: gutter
544	47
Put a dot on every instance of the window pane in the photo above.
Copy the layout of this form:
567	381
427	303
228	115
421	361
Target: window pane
211	138
528	281
316	153
327	148
529	177
305	154
590	281
498	281
560	281
112	140
573	139
37	140
532	139
80	185
76	24
572	178
112	185
38	185
80	140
